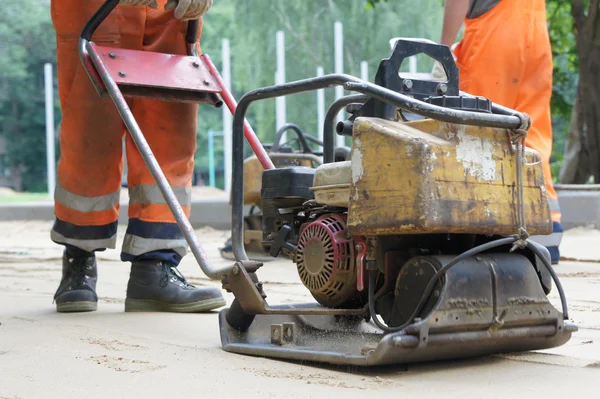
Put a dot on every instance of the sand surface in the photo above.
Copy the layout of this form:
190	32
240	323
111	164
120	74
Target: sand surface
111	354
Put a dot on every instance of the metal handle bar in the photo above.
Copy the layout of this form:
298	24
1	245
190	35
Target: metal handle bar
98	18
514	121
353	84
191	35
137	136
329	122
108	6
298	131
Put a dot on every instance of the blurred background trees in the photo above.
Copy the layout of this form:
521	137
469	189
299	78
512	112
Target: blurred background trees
27	42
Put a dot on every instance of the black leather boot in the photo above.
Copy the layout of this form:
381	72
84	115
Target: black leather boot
77	289
156	286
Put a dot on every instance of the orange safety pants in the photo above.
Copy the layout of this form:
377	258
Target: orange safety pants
505	55
91	133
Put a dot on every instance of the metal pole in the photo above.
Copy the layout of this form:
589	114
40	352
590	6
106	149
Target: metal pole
364	70
412	64
280	111
227	117
320	106
338	44
50	142
211	158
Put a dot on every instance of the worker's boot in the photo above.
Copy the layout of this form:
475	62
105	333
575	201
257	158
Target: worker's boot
156	286
77	289
227	250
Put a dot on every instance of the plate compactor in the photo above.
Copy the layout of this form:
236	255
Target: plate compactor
415	248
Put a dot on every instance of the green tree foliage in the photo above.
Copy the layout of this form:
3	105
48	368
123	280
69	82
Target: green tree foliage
565	75
26	43
308	26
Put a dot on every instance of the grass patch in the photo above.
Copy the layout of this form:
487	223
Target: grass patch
23	197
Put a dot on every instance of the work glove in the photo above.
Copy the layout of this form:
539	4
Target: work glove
437	72
189	9
147	3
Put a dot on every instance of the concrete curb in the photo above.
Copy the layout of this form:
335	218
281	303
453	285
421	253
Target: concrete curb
579	204
215	213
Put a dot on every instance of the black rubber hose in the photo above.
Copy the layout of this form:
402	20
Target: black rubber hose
434	280
299	133
561	292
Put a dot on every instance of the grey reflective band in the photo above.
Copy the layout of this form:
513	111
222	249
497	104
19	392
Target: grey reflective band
82	203
86	245
151	194
135	245
554	205
551	240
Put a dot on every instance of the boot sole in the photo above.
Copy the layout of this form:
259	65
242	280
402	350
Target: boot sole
72	307
148	305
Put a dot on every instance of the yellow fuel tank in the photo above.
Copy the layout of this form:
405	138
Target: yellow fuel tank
428	176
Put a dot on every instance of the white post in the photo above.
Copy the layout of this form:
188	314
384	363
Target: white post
364	70
50	142
320	106
280	111
412	64
338	44
227	118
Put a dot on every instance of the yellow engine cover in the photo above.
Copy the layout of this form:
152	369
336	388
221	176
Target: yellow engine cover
427	177
253	171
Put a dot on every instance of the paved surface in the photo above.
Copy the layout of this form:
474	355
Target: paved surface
112	354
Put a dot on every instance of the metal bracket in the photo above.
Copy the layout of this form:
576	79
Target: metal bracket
182	78
248	291
283	334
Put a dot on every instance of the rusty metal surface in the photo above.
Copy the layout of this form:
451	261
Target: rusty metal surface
491	304
327	340
433	177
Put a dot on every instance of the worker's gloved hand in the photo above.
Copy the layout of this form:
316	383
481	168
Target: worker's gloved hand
189	9
147	3
437	72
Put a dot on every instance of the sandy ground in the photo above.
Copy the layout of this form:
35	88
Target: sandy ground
112	354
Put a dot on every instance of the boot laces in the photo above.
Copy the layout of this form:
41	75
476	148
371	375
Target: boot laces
75	278
171	274
78	269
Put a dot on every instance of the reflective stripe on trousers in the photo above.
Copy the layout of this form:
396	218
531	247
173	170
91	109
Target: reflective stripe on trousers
143	237
150	227
82	203
88	238
151	194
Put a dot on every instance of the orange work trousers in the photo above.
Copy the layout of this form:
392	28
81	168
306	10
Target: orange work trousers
505	55
91	134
